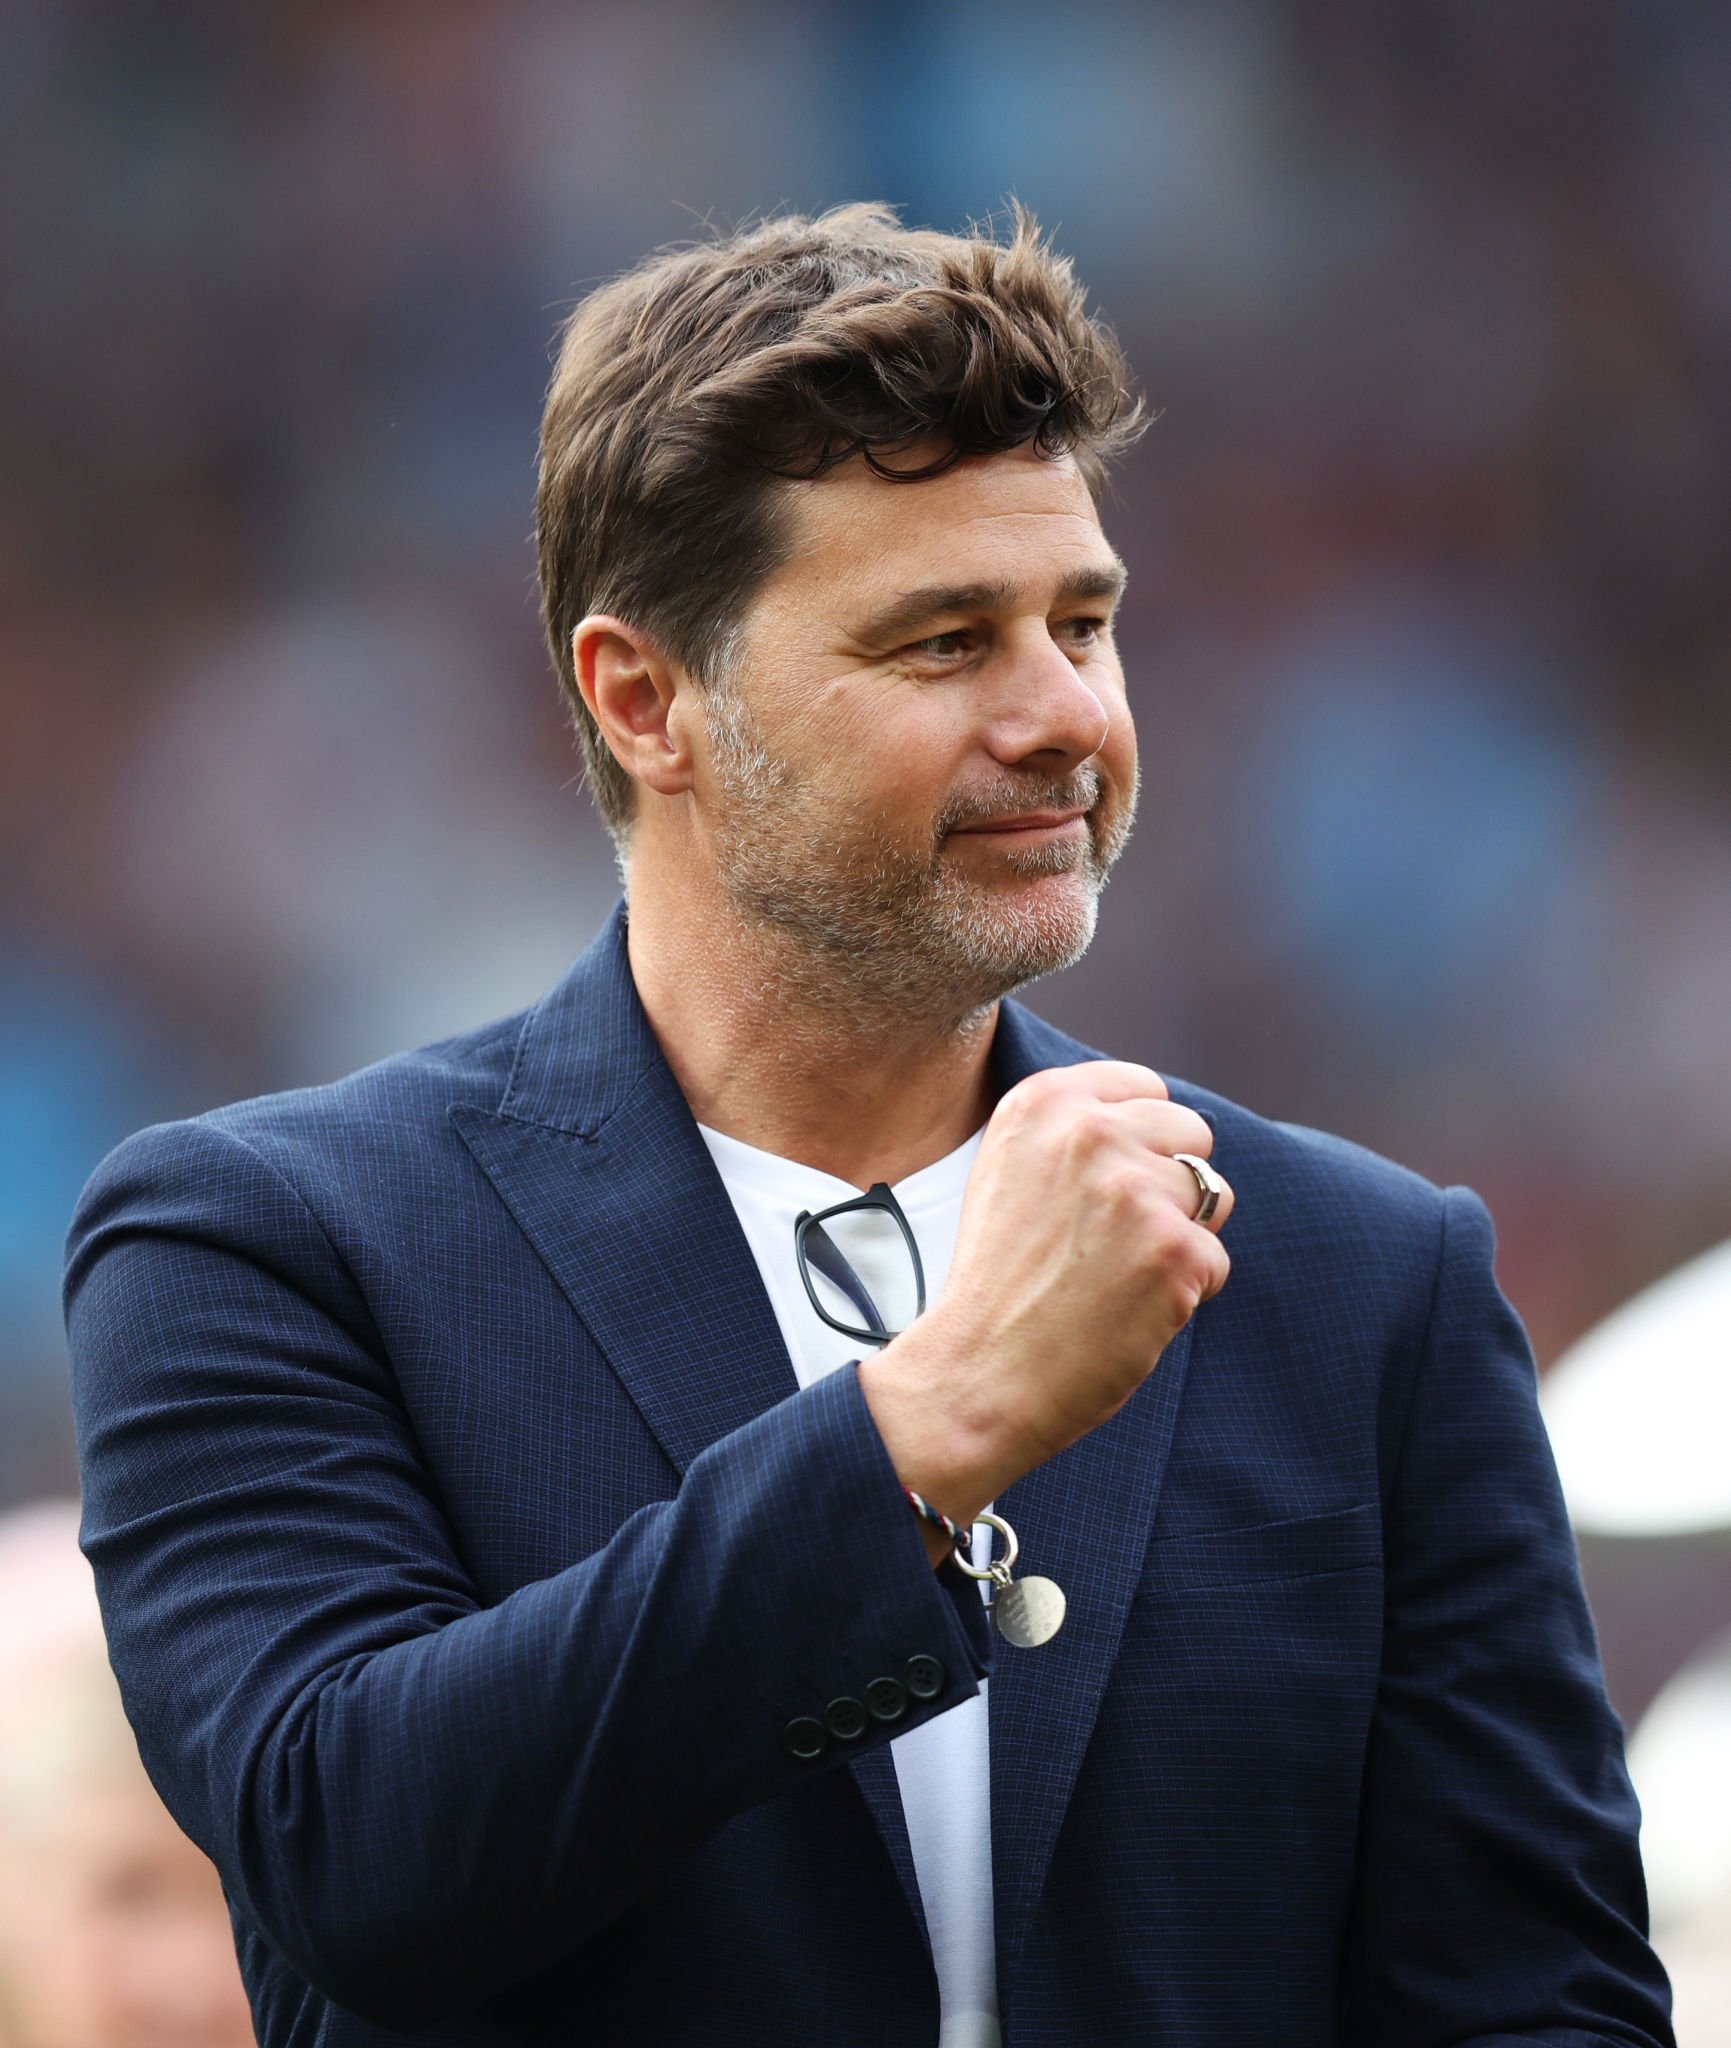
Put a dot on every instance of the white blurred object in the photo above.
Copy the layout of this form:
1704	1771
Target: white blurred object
1698	1958
1680	1761
1639	1411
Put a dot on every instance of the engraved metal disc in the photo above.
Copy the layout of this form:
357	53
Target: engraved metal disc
1029	1612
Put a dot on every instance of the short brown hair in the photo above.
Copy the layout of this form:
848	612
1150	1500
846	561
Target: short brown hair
684	388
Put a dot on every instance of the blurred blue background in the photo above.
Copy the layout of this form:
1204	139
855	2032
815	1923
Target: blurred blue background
1430	624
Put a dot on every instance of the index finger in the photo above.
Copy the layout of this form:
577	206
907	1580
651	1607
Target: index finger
1102	1081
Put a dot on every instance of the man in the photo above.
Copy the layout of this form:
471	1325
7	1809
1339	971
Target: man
516	1474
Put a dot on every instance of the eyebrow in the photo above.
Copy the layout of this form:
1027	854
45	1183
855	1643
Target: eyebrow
914	608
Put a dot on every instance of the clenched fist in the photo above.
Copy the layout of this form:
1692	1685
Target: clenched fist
1078	1261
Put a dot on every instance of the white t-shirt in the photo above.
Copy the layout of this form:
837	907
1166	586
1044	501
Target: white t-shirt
942	1768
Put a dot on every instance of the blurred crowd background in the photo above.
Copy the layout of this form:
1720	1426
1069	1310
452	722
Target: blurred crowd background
1429	631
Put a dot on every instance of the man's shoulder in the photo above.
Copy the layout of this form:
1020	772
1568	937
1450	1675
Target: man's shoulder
1296	1158
387	1126
1358	1226
1287	1157
580	1043
1303	1193
416	1088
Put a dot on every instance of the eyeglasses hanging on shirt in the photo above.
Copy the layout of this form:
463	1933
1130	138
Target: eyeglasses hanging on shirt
861	1266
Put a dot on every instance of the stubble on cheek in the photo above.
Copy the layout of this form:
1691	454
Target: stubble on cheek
883	917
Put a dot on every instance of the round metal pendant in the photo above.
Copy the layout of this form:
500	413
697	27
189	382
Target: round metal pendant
1029	1612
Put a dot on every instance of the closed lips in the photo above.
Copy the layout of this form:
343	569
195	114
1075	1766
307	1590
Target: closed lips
1026	821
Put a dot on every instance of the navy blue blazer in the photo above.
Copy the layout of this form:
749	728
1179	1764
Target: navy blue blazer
466	1549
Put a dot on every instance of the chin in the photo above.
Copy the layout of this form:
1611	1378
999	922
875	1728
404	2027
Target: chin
1015	936
1067	897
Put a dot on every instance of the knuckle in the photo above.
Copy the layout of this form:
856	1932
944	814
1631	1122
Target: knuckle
1186	1258
1200	1139
1187	1132
1090	1126
1014	1101
1152	1083
1122	1189
1168	1255
1020	1106
1184	1297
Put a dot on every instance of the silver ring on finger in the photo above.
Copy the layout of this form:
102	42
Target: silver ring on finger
1209	1186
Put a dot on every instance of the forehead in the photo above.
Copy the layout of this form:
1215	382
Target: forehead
1018	517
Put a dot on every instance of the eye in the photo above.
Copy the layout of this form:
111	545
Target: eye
943	646
1080	632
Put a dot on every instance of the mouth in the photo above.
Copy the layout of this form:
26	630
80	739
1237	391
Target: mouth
1027	827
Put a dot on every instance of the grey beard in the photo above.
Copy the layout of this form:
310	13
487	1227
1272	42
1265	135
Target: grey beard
874	927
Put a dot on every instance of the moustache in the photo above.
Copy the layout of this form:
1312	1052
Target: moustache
1015	798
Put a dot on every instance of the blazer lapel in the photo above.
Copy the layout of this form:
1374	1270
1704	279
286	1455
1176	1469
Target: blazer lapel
596	1155
1083	1519
595	1152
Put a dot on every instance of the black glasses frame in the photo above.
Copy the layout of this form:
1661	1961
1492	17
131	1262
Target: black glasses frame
813	1246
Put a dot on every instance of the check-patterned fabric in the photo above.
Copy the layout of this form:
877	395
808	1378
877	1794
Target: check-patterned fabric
466	1551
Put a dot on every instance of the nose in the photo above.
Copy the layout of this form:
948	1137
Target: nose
1046	714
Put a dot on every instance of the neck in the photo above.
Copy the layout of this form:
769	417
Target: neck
769	1047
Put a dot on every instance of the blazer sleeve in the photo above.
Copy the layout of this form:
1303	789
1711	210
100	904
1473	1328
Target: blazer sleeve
421	1801
1499	1896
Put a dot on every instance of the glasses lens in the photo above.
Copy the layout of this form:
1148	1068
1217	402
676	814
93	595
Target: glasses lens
871	1242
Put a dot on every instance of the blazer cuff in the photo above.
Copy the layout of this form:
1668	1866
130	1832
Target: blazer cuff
957	1607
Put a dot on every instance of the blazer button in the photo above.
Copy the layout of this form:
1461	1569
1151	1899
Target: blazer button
804	1738
924	1677
887	1699
845	1719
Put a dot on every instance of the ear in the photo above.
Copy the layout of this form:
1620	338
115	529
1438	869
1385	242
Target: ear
637	698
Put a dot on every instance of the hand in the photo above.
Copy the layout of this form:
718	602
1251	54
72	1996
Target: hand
1077	1263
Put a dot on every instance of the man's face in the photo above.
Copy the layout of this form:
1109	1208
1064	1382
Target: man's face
921	761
